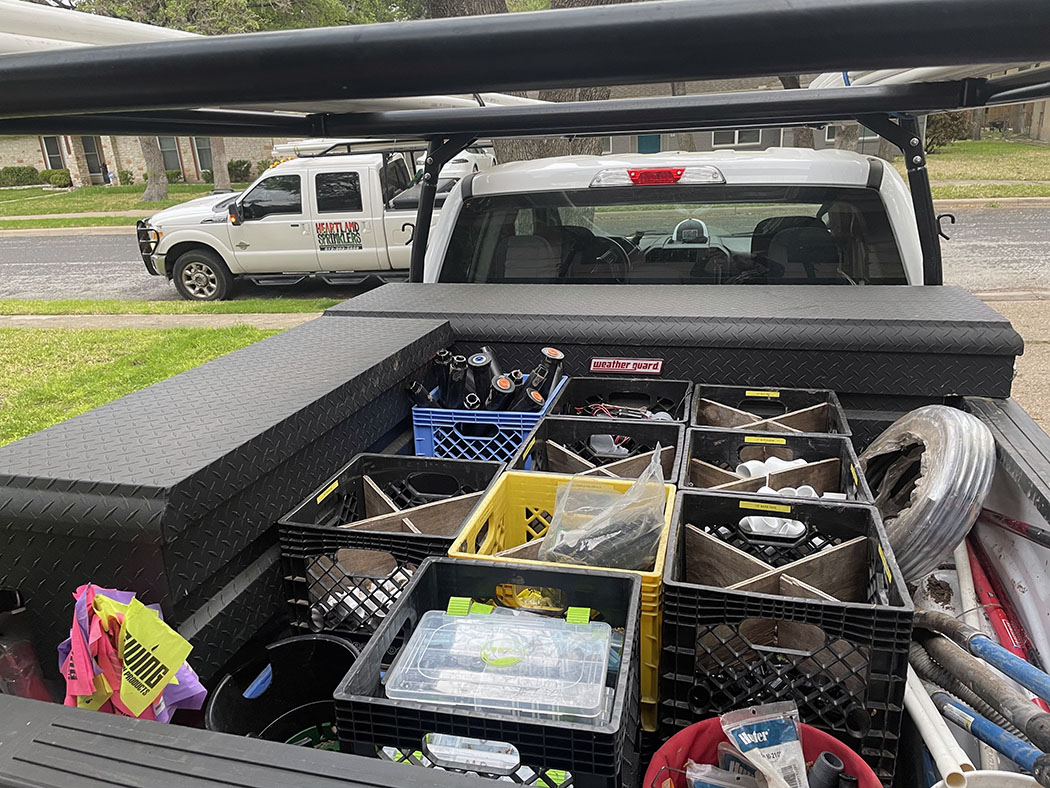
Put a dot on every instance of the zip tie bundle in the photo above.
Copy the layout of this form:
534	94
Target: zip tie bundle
930	472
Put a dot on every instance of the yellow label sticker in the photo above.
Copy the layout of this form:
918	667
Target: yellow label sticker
769	394
331	488
885	565
765	507
765	439
528	448
853	472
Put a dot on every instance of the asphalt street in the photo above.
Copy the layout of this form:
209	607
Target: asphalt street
991	249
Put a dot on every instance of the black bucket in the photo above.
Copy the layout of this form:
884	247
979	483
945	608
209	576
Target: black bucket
285	695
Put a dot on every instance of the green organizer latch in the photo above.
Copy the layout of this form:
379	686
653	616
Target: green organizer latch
578	615
458	606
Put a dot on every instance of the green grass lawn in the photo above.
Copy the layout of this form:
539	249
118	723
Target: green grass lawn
95	198
989	190
87	306
81	221
52	374
989	160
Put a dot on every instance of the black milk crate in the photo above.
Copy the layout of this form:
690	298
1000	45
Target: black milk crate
566	444
822	618
583	396
711	457
554	753
351	547
768	409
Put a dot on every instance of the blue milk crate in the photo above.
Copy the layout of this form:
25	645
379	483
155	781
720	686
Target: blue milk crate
474	434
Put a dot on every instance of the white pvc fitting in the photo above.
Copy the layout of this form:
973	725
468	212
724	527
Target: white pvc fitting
751	469
775	464
766	490
790	492
806	491
834	496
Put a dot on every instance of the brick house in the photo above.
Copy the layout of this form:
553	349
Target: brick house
91	160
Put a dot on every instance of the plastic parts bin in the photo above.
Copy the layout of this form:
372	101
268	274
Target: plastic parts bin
533	750
821	618
474	434
712	455
768	409
508	526
350	548
670	397
599	447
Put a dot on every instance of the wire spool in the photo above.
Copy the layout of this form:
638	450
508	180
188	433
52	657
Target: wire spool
930	473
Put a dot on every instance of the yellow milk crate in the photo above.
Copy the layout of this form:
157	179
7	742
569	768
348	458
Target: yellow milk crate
509	524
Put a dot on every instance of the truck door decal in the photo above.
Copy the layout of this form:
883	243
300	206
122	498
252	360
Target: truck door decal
338	236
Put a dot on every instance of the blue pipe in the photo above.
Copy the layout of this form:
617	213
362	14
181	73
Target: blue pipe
929	770
979	644
1012	665
1023	754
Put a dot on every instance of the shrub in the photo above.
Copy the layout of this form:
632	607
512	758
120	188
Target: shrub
945	127
174	176
240	170
126	177
207	176
263	165
19	176
59	178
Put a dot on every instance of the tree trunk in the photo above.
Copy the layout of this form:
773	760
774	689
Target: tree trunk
157	178
683	139
847	136
437	9
220	172
887	150
802	136
976	123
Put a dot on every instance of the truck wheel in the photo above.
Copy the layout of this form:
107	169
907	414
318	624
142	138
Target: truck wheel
200	275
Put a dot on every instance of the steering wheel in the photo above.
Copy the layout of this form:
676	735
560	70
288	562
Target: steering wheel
604	255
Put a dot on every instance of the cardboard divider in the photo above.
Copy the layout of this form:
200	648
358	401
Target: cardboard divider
440	518
563	460
377	502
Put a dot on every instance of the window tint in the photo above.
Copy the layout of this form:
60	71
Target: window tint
279	194
338	192
395	178
54	153
677	235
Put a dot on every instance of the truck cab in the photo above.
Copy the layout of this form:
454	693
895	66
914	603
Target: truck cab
779	216
338	218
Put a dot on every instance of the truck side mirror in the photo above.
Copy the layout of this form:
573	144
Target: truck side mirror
236	213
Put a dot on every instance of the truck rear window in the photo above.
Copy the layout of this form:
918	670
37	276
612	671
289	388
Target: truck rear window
676	235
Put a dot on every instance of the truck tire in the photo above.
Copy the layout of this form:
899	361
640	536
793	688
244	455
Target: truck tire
201	275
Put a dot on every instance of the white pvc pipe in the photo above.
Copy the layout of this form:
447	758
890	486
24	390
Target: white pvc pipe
996	780
971	613
951	761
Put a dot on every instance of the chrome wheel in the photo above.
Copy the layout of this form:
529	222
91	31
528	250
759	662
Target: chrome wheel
200	280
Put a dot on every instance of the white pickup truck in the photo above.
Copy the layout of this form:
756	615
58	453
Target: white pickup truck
342	219
779	216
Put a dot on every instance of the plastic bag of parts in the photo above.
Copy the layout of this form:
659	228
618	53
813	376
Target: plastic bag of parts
768	736
702	775
596	526
930	473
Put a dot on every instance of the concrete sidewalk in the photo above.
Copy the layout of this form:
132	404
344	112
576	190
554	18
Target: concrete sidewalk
264	320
